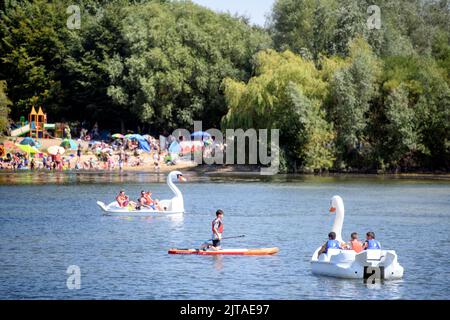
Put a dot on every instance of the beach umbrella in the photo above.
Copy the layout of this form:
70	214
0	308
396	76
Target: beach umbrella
118	136
69	144
134	137
200	134
27	148
53	150
175	147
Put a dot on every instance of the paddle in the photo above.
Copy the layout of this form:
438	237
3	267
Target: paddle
241	236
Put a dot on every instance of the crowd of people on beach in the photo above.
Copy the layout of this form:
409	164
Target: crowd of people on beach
109	154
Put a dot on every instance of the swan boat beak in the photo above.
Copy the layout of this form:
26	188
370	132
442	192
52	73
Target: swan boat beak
181	178
332	209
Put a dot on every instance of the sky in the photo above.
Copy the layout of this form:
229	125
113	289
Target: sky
255	9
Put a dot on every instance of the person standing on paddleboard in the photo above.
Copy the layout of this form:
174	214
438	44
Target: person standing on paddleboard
217	229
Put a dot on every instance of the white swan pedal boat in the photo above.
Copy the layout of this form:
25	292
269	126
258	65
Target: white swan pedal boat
174	206
349	264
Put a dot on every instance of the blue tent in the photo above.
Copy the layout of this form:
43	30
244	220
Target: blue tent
143	144
29	141
175	147
69	144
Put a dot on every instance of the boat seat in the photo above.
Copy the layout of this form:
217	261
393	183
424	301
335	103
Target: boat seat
343	256
327	256
333	252
368	257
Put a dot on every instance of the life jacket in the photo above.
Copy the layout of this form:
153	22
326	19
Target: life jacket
373	244
148	199
356	246
332	244
220	228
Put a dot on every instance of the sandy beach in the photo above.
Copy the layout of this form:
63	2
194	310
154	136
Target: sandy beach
146	162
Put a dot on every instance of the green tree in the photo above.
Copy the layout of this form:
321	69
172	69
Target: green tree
31	52
178	54
303	26
4	107
428	96
402	134
286	93
352	89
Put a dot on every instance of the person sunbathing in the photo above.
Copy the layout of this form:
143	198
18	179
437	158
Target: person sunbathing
124	201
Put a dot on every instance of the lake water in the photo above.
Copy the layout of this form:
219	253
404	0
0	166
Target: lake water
50	221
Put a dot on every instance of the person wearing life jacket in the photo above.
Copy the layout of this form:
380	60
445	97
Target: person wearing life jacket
370	242
143	202
146	199
154	204
354	243
331	243
217	230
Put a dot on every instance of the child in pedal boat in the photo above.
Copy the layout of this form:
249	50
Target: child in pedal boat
332	243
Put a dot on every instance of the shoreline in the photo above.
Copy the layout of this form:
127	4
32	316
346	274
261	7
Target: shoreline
231	171
147	166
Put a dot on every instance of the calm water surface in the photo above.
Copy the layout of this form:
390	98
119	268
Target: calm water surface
50	221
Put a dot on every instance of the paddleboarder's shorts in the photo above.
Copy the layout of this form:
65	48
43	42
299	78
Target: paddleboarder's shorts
216	243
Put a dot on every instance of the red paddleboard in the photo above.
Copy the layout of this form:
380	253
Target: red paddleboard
242	252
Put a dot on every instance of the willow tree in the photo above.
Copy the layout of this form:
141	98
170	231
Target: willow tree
285	93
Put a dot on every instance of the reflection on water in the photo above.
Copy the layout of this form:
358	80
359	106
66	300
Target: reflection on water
57	223
218	262
91	177
39	177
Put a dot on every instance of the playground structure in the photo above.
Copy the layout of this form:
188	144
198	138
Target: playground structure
37	126
37	120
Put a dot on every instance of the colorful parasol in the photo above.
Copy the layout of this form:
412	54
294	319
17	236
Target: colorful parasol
27	148
53	150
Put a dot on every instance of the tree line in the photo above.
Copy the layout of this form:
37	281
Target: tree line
345	95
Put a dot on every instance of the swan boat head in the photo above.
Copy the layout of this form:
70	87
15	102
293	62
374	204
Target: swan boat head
175	175
177	202
337	207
